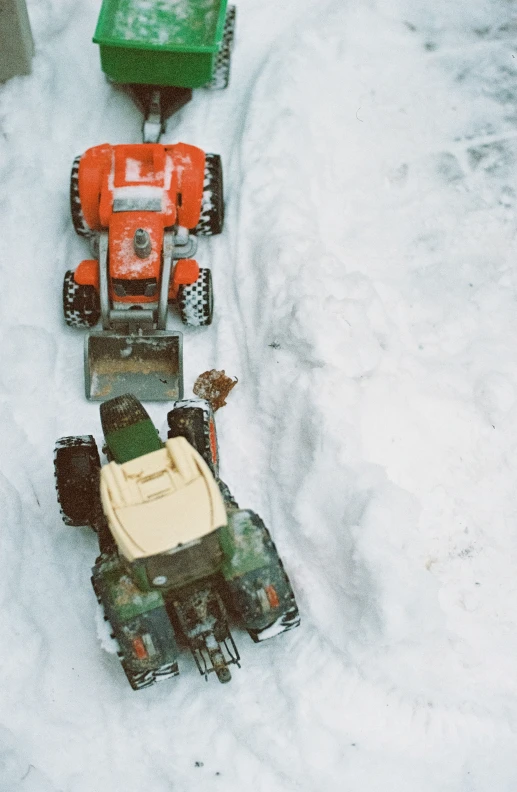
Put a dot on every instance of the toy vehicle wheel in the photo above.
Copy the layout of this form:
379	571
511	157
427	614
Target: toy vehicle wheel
290	619
81	304
229	24
138	679
290	616
76	470
196	424
143	679
263	598
196	300
78	219
221	75
211	218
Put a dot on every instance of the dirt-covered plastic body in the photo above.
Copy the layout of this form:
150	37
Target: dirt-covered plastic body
179	559
142	207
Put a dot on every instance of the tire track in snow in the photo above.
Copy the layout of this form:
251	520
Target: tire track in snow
259	197
293	712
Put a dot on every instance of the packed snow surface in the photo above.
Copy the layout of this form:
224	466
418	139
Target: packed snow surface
165	21
366	297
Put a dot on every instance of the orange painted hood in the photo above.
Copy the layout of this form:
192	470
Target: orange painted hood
123	261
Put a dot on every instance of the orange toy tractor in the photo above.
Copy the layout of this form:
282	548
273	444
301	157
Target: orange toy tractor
141	206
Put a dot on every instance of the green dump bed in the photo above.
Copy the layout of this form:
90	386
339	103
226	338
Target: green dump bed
160	42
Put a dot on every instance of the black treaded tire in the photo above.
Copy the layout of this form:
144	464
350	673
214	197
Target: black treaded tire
197	426
81	304
221	73
211	219
138	679
144	679
120	630
250	591
78	219
290	619
76	470
196	300
291	616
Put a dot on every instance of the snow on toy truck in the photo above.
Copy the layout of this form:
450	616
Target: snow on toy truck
161	50
141	206
178	557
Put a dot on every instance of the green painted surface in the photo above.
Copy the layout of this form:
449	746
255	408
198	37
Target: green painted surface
122	596
192	25
133	441
179	39
139	574
242	543
183	70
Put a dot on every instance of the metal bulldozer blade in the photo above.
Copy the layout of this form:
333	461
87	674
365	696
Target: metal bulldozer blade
148	366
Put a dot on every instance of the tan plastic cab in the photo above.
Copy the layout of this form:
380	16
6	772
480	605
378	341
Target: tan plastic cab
161	500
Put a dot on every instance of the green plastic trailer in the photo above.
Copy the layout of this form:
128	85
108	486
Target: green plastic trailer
162	49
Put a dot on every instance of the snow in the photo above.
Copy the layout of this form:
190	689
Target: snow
365	296
143	20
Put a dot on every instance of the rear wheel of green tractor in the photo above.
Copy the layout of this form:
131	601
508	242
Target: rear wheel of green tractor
76	469
262	597
142	679
276	588
145	643
138	679
211	219
194	420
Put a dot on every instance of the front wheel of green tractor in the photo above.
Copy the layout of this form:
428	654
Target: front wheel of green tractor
76	470
193	419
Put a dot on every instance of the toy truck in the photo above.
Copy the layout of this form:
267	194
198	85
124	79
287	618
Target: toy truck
161	50
141	206
178	558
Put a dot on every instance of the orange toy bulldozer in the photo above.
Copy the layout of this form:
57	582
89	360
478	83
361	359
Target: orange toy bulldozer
141	206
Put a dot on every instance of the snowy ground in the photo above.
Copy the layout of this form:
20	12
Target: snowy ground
366	298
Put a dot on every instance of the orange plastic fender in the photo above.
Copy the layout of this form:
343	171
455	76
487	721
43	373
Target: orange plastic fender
186	271
189	164
94	168
87	273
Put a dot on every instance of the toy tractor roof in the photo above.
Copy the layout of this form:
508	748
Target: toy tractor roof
157	502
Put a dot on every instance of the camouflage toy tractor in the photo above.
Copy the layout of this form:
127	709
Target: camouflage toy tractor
178	558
